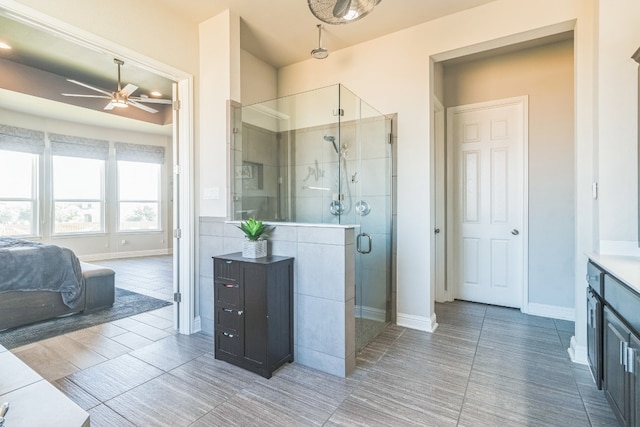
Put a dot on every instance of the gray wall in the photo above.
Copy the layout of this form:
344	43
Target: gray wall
545	74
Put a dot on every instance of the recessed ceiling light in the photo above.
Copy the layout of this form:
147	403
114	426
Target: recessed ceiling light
4	45
155	93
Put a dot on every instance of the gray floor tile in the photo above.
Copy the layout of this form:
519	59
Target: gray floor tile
103	416
163	401
174	350
114	377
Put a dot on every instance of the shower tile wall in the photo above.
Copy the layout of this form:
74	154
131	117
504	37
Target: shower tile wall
256	173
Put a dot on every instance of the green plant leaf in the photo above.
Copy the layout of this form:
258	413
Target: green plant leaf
255	229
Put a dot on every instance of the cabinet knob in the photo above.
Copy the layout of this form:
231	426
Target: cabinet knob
240	312
227	334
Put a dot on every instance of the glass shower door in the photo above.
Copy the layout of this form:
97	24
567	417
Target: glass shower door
366	177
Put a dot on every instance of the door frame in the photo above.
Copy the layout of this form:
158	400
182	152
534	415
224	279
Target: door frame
447	287
186	250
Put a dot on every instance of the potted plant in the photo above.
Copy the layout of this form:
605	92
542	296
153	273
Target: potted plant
256	232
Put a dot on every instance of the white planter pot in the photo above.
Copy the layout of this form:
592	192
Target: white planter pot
254	249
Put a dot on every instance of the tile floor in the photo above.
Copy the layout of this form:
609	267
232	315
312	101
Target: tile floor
483	366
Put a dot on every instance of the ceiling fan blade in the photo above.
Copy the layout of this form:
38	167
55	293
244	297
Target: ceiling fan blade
90	87
129	89
77	95
152	100
109	106
142	106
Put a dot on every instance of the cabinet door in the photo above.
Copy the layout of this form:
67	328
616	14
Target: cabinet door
615	385
593	340
255	313
633	361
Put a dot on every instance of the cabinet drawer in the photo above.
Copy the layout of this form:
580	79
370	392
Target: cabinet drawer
228	343
228	294
226	270
229	319
623	300
595	278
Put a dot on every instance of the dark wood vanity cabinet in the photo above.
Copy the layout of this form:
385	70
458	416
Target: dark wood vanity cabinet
616	379
253	303
621	350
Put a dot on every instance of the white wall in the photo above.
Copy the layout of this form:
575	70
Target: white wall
259	80
220	82
619	38
392	73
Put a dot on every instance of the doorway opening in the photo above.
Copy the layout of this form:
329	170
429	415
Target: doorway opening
542	70
181	145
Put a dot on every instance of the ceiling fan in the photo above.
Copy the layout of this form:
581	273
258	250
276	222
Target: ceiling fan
122	96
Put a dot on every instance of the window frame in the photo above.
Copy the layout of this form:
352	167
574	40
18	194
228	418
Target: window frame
35	195
102	200
158	200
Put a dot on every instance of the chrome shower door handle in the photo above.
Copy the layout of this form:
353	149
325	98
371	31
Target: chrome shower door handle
359	243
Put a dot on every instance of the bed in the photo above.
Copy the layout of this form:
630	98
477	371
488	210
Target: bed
40	281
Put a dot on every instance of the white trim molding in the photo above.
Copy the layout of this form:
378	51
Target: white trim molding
129	254
420	323
552	311
577	353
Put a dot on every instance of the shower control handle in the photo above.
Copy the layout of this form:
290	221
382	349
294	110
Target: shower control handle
359	243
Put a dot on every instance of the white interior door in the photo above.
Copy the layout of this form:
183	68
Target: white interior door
486	142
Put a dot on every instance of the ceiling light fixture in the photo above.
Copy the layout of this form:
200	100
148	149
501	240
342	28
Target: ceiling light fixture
4	45
341	11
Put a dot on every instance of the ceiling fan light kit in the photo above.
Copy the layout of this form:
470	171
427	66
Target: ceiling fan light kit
337	12
122	96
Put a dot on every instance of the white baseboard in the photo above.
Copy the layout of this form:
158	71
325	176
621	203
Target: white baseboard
577	353
371	313
131	254
552	311
197	325
427	324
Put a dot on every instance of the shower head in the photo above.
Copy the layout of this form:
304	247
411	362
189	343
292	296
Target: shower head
332	139
319	52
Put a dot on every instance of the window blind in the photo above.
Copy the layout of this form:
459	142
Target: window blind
75	146
139	153
13	138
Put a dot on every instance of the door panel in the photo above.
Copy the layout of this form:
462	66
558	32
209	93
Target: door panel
486	142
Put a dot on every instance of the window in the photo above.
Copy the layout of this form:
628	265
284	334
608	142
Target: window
138	196
18	193
78	195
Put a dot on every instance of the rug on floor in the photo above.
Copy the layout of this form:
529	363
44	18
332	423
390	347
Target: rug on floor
126	304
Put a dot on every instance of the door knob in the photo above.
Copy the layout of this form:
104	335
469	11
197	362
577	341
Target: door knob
515	232
436	231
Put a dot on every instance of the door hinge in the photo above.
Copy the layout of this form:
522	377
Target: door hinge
390	139
176	105
338	112
177	233
177	297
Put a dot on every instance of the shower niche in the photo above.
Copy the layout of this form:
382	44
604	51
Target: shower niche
322	157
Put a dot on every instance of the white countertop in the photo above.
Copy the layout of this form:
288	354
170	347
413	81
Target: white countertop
624	268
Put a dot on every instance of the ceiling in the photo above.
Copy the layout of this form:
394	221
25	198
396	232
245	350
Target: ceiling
279	32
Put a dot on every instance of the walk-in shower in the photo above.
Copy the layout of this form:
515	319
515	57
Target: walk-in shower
322	156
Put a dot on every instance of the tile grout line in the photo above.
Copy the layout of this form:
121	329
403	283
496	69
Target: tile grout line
466	388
